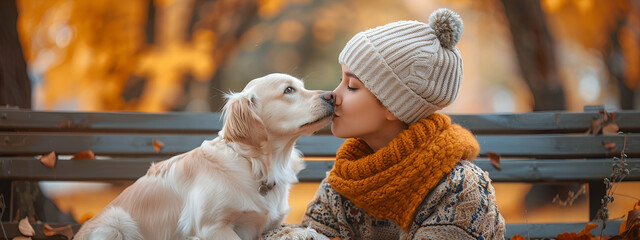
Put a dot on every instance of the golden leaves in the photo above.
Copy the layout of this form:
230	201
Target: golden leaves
270	8
290	31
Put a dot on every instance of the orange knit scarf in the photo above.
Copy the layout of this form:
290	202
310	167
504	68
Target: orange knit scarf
392	182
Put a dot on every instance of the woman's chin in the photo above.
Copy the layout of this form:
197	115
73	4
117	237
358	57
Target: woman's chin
336	131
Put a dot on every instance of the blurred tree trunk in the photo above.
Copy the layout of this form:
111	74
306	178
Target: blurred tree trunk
616	65
534	48
231	21
15	90
15	87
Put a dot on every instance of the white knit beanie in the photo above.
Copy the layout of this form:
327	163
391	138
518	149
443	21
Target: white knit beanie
413	68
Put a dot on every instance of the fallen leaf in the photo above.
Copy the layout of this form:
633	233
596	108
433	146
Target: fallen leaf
157	145
64	230
25	227
604	114
610	128
572	236
21	238
495	160
596	125
84	155
49	160
587	229
517	237
632	232
610	145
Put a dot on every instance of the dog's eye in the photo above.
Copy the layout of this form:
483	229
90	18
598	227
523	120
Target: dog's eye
289	90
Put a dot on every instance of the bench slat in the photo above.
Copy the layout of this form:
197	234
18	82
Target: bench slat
523	170
27	120
542	122
533	145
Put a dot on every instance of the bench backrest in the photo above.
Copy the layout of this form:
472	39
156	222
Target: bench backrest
533	147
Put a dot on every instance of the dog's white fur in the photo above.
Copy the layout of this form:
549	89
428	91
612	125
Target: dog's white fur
212	192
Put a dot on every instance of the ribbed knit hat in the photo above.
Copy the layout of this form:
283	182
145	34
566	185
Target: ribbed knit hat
413	68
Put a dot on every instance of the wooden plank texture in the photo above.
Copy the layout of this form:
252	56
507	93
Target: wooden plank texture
26	120
531	145
512	123
523	170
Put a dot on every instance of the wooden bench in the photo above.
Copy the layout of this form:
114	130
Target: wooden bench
541	147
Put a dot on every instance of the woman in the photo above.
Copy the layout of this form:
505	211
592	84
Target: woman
404	172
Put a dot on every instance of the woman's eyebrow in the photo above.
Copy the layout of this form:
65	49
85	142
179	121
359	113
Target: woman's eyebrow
352	75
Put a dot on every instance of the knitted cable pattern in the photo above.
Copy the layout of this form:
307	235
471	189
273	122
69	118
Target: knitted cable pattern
392	182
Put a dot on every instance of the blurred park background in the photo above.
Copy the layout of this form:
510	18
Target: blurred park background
182	55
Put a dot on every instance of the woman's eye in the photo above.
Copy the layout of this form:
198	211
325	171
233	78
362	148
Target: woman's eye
289	90
351	89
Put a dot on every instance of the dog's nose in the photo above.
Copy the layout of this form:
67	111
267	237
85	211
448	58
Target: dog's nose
329	97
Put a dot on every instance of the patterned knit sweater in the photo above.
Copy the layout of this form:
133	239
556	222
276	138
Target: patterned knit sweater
415	188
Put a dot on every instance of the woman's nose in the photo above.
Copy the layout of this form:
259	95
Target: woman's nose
329	97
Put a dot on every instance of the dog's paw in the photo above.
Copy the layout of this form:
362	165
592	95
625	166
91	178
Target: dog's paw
300	234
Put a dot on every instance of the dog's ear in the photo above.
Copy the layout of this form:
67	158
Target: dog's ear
241	123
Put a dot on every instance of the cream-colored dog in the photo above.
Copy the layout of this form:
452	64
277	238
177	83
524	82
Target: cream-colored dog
235	186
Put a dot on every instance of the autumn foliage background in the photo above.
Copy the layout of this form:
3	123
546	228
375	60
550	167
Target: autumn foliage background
166	55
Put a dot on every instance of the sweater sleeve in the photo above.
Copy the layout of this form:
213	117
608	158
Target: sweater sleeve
324	211
320	218
462	206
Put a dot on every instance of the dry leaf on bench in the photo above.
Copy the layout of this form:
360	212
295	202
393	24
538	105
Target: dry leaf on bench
49	160
25	227
587	229
610	128
596	125
64	230
611	146
495	160
157	145
84	155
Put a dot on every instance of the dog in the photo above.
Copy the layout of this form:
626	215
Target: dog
235	186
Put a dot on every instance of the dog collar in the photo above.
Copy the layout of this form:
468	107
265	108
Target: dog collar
265	188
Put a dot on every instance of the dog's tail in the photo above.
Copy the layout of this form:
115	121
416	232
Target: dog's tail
112	224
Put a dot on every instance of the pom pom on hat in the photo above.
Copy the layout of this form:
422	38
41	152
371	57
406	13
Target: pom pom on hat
413	68
447	26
